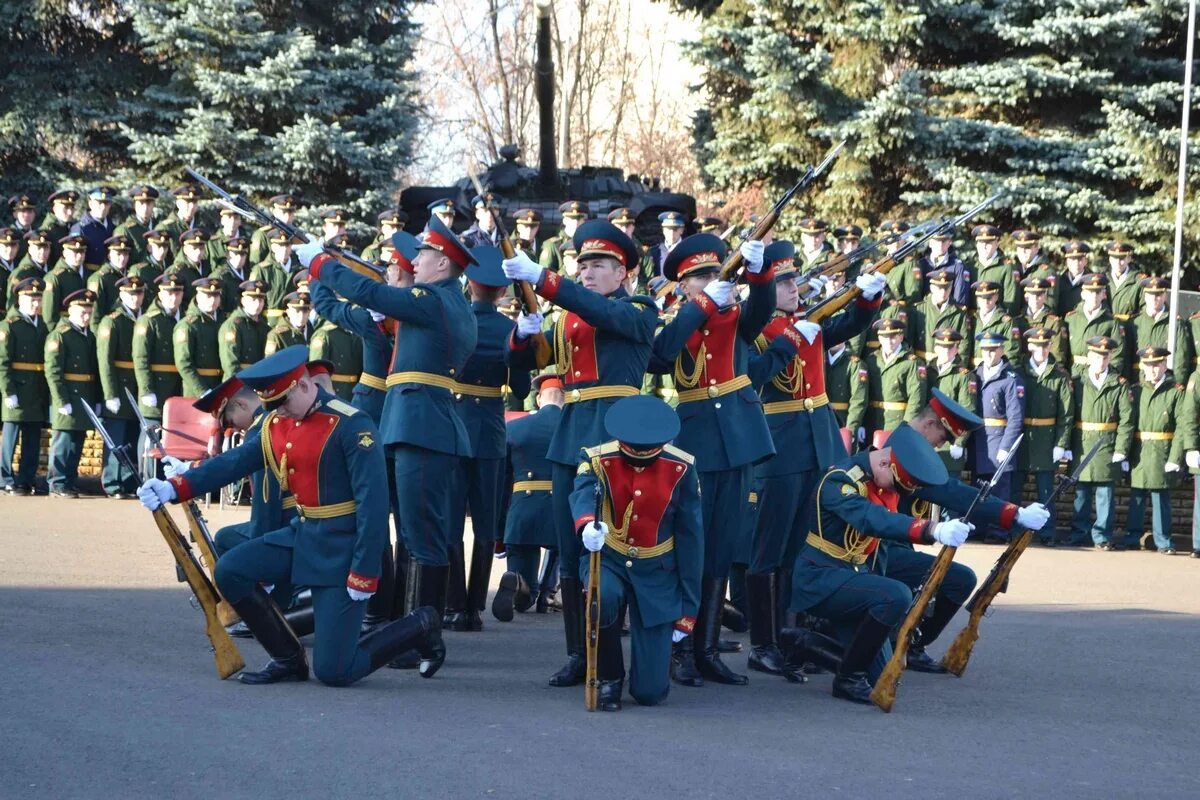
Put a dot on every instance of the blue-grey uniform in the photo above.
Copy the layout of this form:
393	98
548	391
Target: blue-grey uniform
96	231
529	523
960	289
371	390
651	558
1001	401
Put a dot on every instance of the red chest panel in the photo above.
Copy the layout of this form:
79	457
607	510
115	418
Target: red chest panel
580	341
805	376
298	446
640	498
888	498
711	348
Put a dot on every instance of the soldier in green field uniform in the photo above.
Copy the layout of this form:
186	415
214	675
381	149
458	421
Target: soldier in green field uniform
276	272
845	390
68	276
34	264
233	271
1070	281
937	312
283	206
154	261
572	213
390	221
295	328
231	228
956	380
23	384
243	336
896	383
345	350
1049	419
1151	327
992	266
154	349
904	279
197	343
526	223
24	210
137	224
1124	283
989	319
626	223
1103	405
72	375
1031	263
814	250
103	282
58	221
1161	405
184	218
1092	319
1036	314
10	248
114	351
192	262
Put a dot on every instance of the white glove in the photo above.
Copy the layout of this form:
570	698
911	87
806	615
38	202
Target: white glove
956	452
65	410
376	317
1171	467
150	400
1192	459
677	636
816	287
113	404
1068	456
521	268
1033	516
752	252
1124	466
593	536
952	533
1058	454
861	435
808	330
358	596
1001	455
1118	458
720	292
306	252
174	467
871	284
11	402
529	325
153	493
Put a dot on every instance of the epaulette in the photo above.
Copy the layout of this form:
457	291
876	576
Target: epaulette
964	371
1073	311
682	455
1121	379
342	407
605	449
1005	318
856	473
761	343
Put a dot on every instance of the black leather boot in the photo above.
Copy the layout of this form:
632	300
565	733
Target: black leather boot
708	625
301	620
610	668
431	592
930	628
483	553
407	581
734	610
379	607
784	616
765	655
418	629
733	619
548	584
238	630
455	609
683	663
573	672
808	650
512	595
850	682
266	621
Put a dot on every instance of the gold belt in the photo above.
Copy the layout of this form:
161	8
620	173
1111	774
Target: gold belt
344	378
123	364
1123	317
840	406
209	372
424	378
1080	361
995	422
1155	436
374	381
788	406
474	390
831	549
632	551
28	366
600	393
1041	422
888	405
289	502
164	368
78	376
529	487
922	354
327	512
714	391
1096	426
274	312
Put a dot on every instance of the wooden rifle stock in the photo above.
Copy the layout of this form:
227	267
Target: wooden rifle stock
591	691
734	261
208	555
525	295
831	305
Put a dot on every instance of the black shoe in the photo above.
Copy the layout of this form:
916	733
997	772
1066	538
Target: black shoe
505	601
1167	551
728	646
432	649
574	671
765	653
853	686
919	661
809	652
68	494
278	670
708	627
548	584
769	660
409	659
428	587
266	621
238	630
1107	547
608	695
474	621
455	621
683	663
419	630
850	682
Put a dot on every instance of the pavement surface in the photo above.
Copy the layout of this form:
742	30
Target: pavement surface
1082	685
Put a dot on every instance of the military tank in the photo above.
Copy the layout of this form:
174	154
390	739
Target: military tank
546	187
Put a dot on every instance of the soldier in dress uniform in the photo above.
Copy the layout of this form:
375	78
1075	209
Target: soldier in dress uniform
336	473
197	341
1151	328
1076	253
1031	263
10	248
276	271
157	252
34	264
601	347
1090	320
1036	314
942	257
949	374
95	226
1124	283
904	280
896	383
283	208
184	218
23	209
103	282
296	327
990	319
135	226
114	343
672	224
1049	418
529	522
992	266
23	383
154	350
243	334
484	230
232	272
59	220
1002	406
68	276
1103	403
938	311
71	372
218	243
791	371
651	545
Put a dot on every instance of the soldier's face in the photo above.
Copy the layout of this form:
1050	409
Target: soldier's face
185	209
945	352
1097	362
1026	252
1077	265
24	218
986	250
8	251
285	215
939	247
881	468
430	266
1092	298
1155	301
787	296
39	253
1118	264
672	235
386	229
299	399
239	413
692	285
281	252
483	218
890	342
193	252
99	208
569	224
237	259
985	302
333	230
846	245
230	224
836	282
938	293
446	218
253	305
29	304
991	355
80	316
812	242
626	229
73	257
1154	372
1040	352
118	258
132	300
1035	301
170	299
64	212
602	275
526	232
208	302
298	317
142	209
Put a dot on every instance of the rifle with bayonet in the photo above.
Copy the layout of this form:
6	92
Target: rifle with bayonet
733	262
591	691
959	653
843	261
229	660
831	305
243	207
884	693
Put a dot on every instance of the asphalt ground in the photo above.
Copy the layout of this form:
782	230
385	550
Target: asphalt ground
1082	685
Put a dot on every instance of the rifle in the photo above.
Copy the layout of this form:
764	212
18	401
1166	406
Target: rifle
959	653
843	261
229	660
522	289
734	261
592	685
242	206
884	693
831	305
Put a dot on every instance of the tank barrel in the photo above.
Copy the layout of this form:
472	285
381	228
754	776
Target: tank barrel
544	73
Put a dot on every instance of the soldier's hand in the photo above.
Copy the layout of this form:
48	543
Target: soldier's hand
1171	467
952	532
593	536
677	636
1068	456
720	292
871	284
861	435
376	317
11	402
174	467
306	252
113	404
1118	458
358	596
522	268
752	254
529	325
956	452
1058	454
1192	459
150	400
153	493
1033	516
808	330
816	288
65	410
1001	454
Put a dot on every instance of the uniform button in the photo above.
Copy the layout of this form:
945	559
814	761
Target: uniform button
808	386
458	397
476	401
574	325
577	373
528	492
575	348
629	563
712	381
451	372
718	405
801	360
706	331
529	474
708	356
288	445
291	471
635	516
637	492
678	468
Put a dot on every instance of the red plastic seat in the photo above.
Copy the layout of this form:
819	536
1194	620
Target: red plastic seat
509	416
188	434
880	439
845	438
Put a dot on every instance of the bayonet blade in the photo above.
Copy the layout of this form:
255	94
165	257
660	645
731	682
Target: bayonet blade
96	423
829	157
146	429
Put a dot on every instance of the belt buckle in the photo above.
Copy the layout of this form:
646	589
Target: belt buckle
575	395
633	552
808	404
713	391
